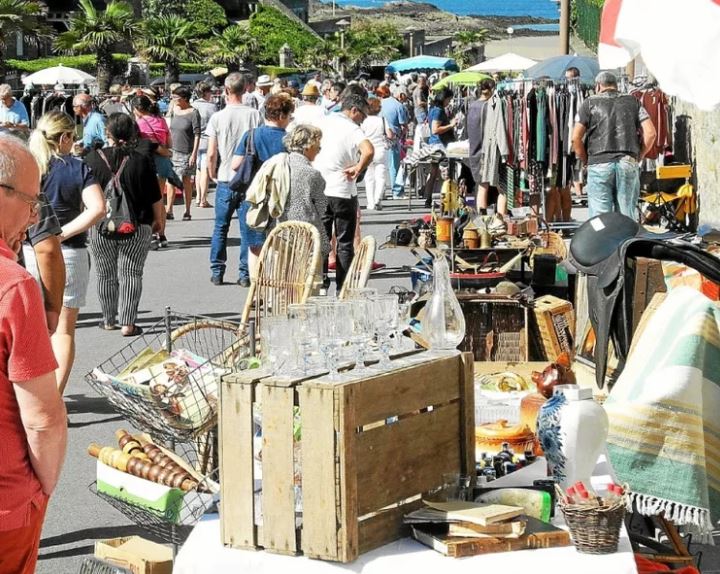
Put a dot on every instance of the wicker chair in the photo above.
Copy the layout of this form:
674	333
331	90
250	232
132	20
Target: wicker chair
359	272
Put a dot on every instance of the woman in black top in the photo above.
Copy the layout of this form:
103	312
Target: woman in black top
119	263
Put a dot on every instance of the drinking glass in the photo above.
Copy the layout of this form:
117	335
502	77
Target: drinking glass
365	292
304	319
276	345
362	332
334	330
385	320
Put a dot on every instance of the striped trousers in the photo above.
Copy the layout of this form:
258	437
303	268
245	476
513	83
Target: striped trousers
119	268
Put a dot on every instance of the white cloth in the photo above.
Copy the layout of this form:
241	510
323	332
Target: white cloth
375	178
340	149
679	43
272	184
307	114
228	127
374	129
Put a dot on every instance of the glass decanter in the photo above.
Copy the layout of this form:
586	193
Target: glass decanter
443	325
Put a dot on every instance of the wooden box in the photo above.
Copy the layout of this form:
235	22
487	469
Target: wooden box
368	450
554	322
496	328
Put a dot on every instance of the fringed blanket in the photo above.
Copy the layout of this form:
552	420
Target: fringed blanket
664	411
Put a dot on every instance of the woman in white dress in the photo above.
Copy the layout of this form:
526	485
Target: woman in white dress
376	131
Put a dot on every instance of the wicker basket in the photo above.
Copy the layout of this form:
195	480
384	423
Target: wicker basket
594	529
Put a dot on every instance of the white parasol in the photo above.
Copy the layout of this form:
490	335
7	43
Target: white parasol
59	75
506	63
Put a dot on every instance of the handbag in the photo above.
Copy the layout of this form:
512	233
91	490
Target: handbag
119	221
244	176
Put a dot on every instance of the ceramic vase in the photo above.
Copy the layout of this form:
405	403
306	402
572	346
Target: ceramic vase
443	325
572	429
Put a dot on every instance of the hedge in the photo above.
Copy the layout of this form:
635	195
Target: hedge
87	63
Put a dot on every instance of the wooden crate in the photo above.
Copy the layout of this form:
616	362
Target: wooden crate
554	323
496	328
649	280
369	449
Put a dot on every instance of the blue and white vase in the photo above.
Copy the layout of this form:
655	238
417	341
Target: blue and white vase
572	429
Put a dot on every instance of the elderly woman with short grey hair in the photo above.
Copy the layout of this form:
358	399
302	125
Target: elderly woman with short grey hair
307	201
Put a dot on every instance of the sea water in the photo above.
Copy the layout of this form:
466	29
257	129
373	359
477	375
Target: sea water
535	8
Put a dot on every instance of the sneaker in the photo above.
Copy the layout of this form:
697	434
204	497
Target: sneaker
331	266
244	282
162	241
155	242
376	265
216	280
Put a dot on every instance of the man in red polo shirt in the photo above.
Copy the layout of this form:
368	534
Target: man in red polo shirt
33	424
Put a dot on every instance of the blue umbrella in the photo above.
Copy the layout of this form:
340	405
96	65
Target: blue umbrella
555	68
420	63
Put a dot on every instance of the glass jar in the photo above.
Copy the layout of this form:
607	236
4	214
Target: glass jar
443	325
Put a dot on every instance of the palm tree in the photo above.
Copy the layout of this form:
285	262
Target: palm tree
323	56
465	42
233	47
98	32
170	40
22	17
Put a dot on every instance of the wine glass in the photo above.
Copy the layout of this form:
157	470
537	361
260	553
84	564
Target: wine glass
362	332
334	329
385	320
304	319
276	345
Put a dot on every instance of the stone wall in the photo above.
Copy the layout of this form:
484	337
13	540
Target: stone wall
704	144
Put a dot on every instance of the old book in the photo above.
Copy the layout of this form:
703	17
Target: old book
482	514
498	530
537	535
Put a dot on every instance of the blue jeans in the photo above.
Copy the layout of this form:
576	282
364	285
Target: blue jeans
226	202
614	186
248	238
393	162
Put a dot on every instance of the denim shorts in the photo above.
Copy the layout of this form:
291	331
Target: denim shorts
77	273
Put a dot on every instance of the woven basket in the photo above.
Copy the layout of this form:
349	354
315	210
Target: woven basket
594	529
551	243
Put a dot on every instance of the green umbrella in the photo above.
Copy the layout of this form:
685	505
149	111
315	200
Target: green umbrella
464	78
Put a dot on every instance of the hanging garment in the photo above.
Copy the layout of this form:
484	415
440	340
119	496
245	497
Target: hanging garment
476	115
495	143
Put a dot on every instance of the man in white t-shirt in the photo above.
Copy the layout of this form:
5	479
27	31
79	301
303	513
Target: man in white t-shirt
224	131
345	152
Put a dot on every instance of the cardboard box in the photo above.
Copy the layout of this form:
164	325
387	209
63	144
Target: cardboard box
138	555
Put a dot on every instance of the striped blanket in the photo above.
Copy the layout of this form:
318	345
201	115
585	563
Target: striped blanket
664	412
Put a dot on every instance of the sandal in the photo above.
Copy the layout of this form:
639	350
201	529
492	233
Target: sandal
136	330
169	216
205	204
187	216
107	327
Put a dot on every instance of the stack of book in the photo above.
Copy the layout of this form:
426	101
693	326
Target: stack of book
467	529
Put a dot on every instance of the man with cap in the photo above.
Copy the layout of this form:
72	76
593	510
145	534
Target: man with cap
308	112
262	89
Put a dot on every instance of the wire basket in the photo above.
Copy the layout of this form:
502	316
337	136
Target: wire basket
92	565
595	529
166	381
174	524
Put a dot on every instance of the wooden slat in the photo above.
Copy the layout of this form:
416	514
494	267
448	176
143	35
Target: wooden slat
400	460
320	479
346	423
406	390
236	465
386	526
467	406
278	493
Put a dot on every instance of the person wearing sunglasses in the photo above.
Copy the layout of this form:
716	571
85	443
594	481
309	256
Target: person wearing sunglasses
33	420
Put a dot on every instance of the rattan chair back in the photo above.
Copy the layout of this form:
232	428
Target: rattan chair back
359	272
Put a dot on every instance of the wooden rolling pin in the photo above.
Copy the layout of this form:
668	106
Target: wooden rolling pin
129	444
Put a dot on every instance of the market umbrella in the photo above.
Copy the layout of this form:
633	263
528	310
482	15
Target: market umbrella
419	63
555	68
506	63
59	75
464	78
679	43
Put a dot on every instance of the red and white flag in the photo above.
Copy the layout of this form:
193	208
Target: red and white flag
679	42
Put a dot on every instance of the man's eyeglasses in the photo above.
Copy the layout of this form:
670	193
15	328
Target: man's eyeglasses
33	202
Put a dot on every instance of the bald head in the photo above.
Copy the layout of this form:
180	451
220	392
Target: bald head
82	104
20	179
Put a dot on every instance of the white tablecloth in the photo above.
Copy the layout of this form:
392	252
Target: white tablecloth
203	553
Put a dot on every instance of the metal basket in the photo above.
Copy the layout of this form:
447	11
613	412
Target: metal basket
96	566
173	527
176	403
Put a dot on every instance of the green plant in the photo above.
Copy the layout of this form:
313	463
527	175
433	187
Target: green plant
22	17
170	40
98	32
368	41
270	29
207	15
232	47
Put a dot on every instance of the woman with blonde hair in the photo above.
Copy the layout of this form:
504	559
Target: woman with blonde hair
78	201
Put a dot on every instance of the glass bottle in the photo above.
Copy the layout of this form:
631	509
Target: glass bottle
443	325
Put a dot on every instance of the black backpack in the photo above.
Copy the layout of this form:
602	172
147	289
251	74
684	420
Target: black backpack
119	221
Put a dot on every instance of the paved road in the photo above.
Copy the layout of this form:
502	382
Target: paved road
179	277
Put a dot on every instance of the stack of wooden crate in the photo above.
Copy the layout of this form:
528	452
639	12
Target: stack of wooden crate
369	450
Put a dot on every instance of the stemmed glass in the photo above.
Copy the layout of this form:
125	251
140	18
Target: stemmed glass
385	320
362	332
304	320
334	330
276	345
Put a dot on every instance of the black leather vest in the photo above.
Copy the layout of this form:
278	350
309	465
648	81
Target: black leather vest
614	127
